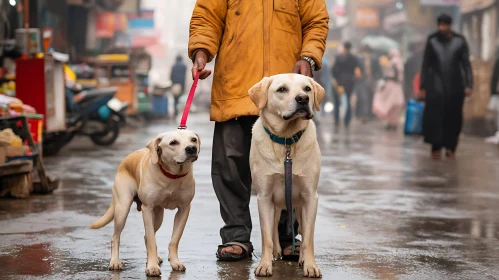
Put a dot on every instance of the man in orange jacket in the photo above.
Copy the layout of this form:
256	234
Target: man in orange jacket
251	40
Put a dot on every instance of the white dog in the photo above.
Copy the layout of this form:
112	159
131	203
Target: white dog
158	177
286	104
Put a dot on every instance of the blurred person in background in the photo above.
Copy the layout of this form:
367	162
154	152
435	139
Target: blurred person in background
494	98
446	79
323	77
177	76
251	40
370	73
388	101
412	70
344	74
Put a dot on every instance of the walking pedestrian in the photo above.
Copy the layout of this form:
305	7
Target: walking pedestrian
364	88
250	40
324	79
494	99
388	101
344	74
177	77
446	78
412	71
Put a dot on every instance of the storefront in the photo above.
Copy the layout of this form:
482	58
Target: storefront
479	25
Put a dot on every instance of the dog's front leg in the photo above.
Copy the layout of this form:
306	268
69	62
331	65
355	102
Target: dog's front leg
266	210
277	245
308	215
178	229
152	266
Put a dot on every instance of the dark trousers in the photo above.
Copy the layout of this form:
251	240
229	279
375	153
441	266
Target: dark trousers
231	176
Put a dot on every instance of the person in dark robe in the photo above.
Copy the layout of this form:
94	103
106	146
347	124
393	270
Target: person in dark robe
446	79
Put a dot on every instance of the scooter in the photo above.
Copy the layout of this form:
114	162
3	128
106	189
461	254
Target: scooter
96	114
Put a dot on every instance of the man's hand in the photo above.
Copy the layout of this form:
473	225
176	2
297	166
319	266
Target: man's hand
200	61
468	92
303	67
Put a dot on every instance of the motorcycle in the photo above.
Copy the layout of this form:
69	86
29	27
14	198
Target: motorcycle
94	113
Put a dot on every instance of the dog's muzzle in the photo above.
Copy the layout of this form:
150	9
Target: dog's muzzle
300	111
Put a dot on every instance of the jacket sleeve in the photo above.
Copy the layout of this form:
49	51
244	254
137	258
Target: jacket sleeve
207	26
495	78
466	64
425	68
315	25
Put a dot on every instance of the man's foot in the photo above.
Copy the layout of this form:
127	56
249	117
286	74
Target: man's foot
234	251
287	250
289	255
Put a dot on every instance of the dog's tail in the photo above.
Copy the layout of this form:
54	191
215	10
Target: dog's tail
106	219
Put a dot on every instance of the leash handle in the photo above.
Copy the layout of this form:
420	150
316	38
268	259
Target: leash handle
188	103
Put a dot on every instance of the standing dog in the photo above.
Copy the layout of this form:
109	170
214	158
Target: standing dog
157	178
286	103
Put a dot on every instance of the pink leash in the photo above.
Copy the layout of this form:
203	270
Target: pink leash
188	103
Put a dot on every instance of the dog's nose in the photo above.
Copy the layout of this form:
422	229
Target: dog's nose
302	99
191	150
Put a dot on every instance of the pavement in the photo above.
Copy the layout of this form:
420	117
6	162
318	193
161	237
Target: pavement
386	211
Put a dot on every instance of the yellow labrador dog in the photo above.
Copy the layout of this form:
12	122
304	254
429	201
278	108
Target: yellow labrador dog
157	177
287	103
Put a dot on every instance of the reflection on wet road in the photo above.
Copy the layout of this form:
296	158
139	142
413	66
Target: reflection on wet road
385	212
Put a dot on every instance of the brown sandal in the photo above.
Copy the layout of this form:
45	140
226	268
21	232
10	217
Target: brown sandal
229	257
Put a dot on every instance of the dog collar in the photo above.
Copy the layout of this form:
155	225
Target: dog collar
282	140
171	176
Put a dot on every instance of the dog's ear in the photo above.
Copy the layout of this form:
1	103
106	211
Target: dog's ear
259	93
199	142
318	94
153	146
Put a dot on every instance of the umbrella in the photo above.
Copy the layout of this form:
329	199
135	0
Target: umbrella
380	43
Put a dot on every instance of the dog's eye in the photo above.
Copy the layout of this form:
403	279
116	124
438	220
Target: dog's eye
194	140
307	89
173	142
282	89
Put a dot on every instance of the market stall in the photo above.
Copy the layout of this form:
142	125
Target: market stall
114	70
21	167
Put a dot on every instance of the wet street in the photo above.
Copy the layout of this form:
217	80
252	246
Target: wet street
385	212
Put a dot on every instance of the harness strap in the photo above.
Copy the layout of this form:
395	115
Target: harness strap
188	103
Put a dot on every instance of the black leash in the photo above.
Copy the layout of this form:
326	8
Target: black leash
288	193
288	178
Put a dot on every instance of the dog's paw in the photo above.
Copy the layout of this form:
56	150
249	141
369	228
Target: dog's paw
277	253
160	260
264	269
177	266
115	265
153	270
310	269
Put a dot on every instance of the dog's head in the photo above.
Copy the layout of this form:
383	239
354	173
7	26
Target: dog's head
290	96
175	147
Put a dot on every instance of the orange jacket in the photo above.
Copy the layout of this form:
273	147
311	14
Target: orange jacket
252	40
